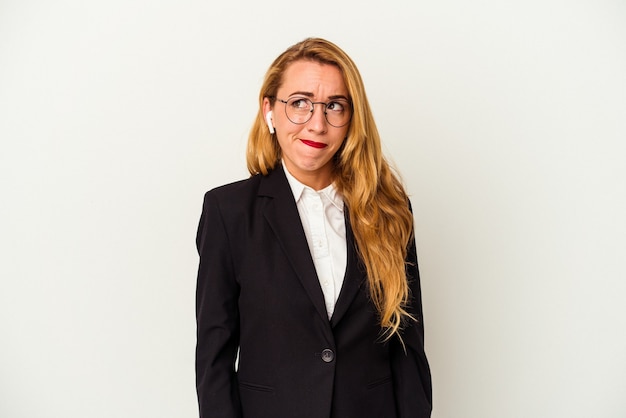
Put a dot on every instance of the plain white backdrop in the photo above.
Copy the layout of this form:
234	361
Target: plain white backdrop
507	120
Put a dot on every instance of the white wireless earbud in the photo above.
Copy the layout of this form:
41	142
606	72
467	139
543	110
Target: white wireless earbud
268	119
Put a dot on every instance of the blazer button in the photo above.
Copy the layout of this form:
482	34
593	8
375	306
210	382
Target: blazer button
328	355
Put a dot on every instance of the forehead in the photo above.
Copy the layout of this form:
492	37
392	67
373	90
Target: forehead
321	80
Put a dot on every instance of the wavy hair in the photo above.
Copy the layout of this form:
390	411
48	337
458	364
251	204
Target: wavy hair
377	203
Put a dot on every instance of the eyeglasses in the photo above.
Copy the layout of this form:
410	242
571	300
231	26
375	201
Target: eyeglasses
299	110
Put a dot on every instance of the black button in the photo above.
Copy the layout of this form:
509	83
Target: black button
328	355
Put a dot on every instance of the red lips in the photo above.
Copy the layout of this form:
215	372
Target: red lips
313	143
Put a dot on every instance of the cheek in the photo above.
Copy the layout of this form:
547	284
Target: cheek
284	139
341	142
342	138
284	128
280	140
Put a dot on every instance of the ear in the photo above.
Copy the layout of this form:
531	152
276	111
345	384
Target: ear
268	120
267	106
267	113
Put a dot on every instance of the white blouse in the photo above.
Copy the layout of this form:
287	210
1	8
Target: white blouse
321	213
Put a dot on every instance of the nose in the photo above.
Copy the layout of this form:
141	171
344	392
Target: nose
318	122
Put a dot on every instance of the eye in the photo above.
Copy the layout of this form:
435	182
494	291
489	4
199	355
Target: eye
299	103
335	106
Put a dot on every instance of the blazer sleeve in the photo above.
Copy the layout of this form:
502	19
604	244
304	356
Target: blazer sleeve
410	370
217	317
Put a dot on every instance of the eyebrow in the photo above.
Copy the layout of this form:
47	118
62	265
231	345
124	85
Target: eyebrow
311	95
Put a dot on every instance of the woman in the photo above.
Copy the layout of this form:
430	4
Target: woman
308	270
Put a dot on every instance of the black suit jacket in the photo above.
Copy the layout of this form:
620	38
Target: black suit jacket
258	295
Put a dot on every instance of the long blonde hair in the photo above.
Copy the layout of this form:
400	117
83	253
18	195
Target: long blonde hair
377	204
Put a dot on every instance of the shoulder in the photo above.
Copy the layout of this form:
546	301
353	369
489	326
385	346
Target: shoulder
236	189
245	192
271	185
231	197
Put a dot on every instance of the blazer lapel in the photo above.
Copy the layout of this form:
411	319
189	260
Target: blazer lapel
355	277
282	215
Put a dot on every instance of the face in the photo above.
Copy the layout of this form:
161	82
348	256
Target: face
308	149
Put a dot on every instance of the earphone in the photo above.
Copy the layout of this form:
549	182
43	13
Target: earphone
268	119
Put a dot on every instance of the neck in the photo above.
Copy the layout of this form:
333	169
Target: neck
316	180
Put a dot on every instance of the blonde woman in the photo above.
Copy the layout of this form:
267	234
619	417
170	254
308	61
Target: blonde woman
308	270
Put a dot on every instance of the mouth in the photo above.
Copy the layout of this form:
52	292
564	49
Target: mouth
314	144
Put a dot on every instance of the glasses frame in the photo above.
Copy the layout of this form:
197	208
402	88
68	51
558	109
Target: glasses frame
313	110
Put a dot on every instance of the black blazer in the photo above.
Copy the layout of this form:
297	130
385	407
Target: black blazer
258	293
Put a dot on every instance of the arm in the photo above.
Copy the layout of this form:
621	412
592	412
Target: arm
217	318
411	374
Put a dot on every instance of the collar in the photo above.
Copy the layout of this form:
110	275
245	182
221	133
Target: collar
297	189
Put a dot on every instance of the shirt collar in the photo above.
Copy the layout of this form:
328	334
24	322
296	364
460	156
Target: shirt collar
297	189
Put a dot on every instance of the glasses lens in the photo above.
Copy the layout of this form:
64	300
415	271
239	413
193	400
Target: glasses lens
338	113
300	110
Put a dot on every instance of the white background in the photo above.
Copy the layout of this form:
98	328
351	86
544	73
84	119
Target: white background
506	119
